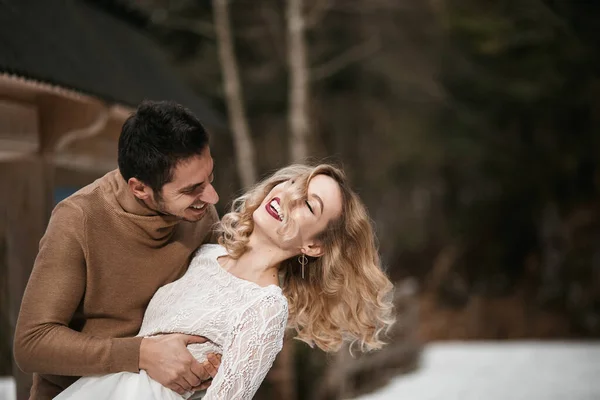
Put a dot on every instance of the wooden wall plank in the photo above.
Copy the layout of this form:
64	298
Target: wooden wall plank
27	201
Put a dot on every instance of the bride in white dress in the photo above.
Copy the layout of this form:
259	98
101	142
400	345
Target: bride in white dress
296	251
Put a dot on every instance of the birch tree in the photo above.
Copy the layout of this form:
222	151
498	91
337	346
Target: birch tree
298	112
244	148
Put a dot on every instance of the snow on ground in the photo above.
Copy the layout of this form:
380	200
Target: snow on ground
487	371
7	388
501	371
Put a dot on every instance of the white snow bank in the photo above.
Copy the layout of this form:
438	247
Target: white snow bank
501	371
7	388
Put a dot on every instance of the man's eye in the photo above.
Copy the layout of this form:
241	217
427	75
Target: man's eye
191	190
309	207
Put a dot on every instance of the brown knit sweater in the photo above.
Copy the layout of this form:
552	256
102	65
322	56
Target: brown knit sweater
103	256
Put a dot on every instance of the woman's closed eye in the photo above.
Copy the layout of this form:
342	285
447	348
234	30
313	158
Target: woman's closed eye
309	207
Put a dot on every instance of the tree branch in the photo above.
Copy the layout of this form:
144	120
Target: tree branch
351	56
317	13
200	28
270	18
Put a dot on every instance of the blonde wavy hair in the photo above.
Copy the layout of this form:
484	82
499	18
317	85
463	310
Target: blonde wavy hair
345	296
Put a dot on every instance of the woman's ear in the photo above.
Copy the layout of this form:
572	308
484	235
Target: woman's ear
139	188
313	249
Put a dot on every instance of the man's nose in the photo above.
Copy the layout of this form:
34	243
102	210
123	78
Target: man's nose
209	195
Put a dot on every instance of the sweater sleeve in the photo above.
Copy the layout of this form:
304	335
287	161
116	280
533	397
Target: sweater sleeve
43	341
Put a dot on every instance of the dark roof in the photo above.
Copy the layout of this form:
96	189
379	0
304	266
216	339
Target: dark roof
77	45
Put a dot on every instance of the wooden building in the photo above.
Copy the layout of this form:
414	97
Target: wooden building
70	74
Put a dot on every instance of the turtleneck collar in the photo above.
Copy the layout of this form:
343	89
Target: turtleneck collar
157	227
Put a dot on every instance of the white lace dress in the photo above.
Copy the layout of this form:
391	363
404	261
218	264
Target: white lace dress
242	320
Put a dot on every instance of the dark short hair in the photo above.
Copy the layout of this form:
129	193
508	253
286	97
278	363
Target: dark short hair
155	138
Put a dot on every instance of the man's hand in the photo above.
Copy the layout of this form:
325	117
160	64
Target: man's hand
213	362
167	360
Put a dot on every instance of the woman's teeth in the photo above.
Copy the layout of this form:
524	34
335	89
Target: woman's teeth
275	206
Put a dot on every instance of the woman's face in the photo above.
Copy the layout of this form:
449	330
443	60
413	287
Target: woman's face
322	205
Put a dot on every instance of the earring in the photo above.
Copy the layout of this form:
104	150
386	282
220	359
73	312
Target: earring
303	261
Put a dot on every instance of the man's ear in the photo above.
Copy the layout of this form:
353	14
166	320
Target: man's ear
313	249
139	189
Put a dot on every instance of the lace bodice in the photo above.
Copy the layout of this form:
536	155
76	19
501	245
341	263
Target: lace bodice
243	321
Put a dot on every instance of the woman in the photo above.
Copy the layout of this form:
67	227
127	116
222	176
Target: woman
296	251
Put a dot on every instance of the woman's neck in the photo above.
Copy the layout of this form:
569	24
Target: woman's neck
260	263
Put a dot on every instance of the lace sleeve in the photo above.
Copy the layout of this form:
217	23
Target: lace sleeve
251	349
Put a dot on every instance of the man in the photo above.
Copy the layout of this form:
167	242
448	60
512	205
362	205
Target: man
106	251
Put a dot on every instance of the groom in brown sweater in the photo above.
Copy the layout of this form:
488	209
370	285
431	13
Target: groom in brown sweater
106	251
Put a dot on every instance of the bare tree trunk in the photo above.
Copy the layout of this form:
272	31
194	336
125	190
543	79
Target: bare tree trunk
244	147
282	376
298	81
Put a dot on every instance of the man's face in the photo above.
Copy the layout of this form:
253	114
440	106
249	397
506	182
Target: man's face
190	191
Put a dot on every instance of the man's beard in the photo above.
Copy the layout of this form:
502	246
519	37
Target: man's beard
159	206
